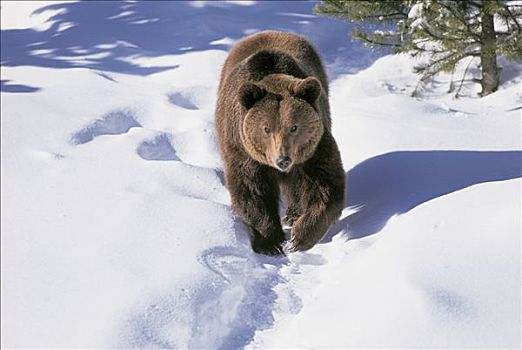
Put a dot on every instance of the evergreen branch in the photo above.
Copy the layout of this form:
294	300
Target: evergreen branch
389	16
513	17
439	36
477	5
435	62
379	17
372	41
435	66
463	76
432	68
461	20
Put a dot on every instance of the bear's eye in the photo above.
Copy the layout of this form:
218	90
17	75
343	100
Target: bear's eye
267	130
293	128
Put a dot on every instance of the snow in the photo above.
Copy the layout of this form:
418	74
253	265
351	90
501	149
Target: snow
500	24
427	281
22	15
416	10
117	230
224	41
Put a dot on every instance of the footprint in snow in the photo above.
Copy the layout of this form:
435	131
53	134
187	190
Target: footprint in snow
223	312
113	123
180	100
159	148
245	303
226	262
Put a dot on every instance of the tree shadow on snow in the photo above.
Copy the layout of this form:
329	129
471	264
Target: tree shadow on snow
107	35
6	86
394	183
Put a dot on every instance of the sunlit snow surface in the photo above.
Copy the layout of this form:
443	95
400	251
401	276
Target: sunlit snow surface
117	230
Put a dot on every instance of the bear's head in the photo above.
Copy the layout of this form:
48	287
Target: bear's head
281	125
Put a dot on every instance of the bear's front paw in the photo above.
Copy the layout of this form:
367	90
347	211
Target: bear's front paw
287	221
297	244
290	217
262	245
301	237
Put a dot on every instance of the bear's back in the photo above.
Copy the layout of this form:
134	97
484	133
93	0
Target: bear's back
293	45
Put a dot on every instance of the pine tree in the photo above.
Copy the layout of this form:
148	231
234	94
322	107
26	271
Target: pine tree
445	31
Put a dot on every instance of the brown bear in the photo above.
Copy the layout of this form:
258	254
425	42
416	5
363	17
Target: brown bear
274	133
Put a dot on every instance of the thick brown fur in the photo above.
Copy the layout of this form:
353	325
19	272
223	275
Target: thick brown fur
272	105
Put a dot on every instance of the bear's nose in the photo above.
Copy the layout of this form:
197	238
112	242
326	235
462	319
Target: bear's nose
283	162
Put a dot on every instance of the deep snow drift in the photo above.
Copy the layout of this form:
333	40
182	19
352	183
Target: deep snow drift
116	225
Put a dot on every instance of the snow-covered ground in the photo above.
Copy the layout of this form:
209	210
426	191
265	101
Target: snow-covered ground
116	226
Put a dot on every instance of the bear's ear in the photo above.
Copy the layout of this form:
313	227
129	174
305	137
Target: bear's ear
249	94
307	89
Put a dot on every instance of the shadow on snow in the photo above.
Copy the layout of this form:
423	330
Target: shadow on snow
396	182
8	87
105	35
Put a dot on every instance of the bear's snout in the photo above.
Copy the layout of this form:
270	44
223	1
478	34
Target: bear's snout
283	162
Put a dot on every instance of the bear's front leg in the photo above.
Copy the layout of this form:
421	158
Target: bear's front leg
312	226
321	213
255	198
321	188
293	198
